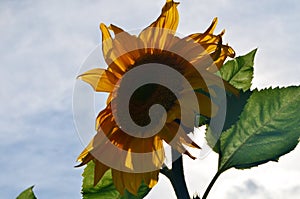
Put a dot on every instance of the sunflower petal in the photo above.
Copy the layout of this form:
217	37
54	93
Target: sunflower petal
127	43
102	116
151	178
132	181
211	28
106	40
109	98
99	171
100	79
207	79
225	51
111	56
190	50
172	134
169	16
129	181
153	146
213	46
84	156
125	51
118	180
158	33
205	106
207	36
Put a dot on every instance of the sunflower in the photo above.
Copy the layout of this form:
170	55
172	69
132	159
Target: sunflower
197	57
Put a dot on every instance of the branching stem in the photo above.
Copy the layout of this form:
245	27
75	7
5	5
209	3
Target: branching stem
212	182
176	177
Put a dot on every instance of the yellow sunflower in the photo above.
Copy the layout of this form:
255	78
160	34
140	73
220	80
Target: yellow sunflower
196	57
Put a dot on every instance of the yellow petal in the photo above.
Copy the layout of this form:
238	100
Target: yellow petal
173	113
101	80
153	146
199	81
84	157
151	178
207	79
188	49
129	181
85	152
109	98
172	134
225	51
157	35
212	27
124	48
127	43
99	171
158	154
111	56
132	181
213	46
118	180
102	116
204	105
169	16
207	36
106	40
181	135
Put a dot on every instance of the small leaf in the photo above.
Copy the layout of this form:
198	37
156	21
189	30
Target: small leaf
239	71
105	189
269	127
27	194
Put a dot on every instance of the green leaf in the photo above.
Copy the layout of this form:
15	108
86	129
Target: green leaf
269	127
234	107
27	194
239	71
105	189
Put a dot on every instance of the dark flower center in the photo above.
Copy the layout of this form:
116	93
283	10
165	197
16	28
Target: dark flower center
145	97
148	95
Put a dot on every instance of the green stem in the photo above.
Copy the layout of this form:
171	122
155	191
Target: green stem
176	177
212	182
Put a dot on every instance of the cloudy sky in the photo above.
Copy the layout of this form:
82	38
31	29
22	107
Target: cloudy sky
43	46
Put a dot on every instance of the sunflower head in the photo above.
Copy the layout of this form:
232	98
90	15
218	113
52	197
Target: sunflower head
157	83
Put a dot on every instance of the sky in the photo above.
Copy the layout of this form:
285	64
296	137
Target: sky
43	48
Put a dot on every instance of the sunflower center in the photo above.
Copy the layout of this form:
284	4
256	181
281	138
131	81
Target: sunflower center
145	97
154	79
150	94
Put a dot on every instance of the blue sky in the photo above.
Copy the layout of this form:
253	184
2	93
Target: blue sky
43	46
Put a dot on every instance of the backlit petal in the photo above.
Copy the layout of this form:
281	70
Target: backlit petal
111	55
99	171
173	135
126	51
106	40
100	79
126	42
205	106
132	181
156	35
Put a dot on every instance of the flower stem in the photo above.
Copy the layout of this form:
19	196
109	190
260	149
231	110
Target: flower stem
176	177
212	182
